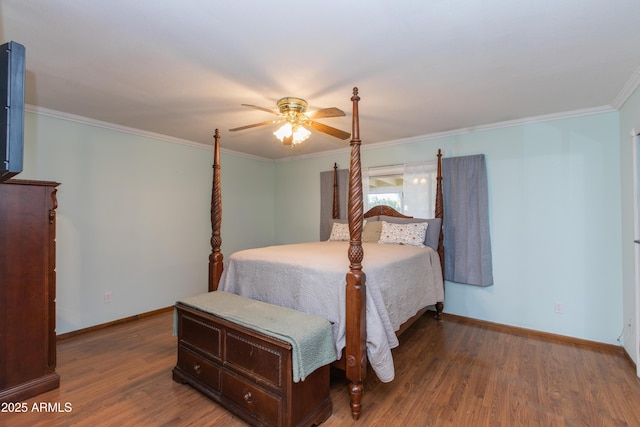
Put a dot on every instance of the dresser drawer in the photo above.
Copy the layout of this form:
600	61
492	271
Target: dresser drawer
202	335
252	399
260	359
198	367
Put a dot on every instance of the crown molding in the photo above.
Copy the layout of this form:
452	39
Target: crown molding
466	130
111	126
133	131
419	138
632	84
497	125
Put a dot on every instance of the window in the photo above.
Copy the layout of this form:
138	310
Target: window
409	188
385	187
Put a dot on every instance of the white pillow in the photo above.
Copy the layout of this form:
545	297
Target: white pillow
404	234
339	232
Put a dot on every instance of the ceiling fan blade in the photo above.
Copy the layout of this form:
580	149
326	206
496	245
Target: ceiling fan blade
270	122
325	112
268	110
330	130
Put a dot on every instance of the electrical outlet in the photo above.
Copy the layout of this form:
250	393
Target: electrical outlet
558	308
107	297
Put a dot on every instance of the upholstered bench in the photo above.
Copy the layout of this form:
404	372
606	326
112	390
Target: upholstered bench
267	364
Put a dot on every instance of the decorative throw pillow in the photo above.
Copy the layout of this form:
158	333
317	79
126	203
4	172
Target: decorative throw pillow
372	231
339	232
432	235
403	234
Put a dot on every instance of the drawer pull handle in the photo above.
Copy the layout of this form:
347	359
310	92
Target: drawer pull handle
197	368
247	396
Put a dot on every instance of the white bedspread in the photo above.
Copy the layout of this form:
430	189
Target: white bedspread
311	277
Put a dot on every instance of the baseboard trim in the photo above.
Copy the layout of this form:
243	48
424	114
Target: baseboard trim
71	334
548	336
630	360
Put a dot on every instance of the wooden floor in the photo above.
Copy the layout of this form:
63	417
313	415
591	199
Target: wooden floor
451	373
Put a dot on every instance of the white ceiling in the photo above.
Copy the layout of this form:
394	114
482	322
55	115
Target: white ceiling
182	68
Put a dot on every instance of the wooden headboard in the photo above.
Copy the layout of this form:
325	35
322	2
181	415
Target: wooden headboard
384	210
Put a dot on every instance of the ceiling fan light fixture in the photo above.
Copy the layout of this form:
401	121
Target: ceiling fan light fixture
293	133
296	122
285	131
289	103
300	134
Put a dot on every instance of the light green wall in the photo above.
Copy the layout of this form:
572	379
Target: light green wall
629	119
134	216
248	203
554	191
297	195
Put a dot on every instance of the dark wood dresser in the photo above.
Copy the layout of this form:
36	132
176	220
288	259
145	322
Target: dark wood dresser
247	372
27	289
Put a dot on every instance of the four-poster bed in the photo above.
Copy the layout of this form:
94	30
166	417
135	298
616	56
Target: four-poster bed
357	305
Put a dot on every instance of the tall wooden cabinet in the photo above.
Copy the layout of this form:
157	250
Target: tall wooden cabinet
27	289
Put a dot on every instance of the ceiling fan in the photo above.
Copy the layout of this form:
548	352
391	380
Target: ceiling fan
293	113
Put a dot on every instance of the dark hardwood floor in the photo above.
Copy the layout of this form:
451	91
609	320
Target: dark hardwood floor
451	373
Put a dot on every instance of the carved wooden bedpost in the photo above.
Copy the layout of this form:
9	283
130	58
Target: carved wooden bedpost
336	199
215	259
440	214
356	350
